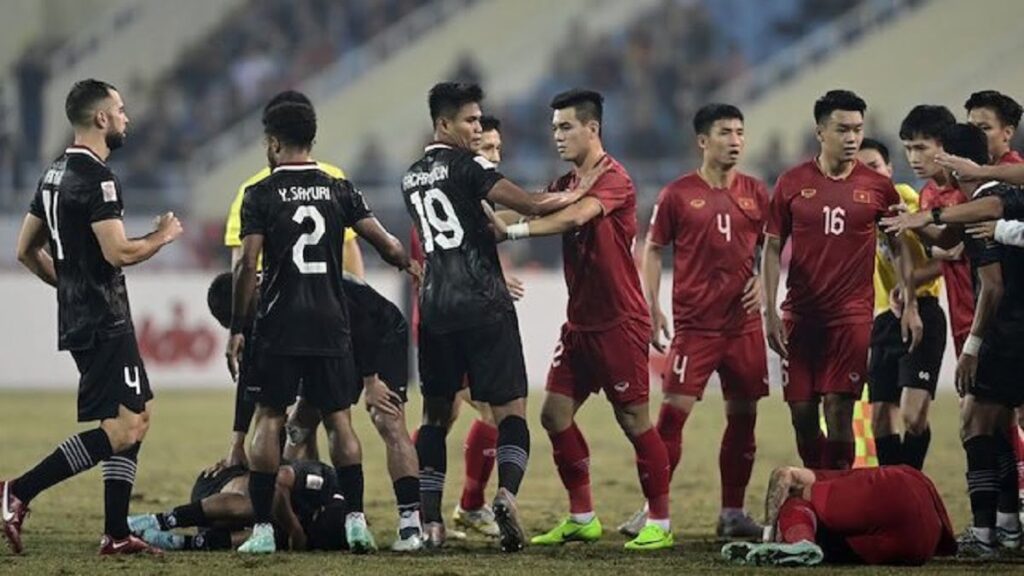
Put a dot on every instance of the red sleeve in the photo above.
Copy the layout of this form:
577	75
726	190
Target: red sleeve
780	219
890	197
662	220
612	190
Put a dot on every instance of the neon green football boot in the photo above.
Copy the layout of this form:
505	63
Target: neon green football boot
569	530
652	537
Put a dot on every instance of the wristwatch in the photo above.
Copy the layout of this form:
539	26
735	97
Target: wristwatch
937	215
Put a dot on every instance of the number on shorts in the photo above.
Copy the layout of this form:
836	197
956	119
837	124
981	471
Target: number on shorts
557	360
679	367
131	378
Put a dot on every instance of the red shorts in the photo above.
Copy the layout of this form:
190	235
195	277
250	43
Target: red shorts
740	361
825	360
888	515
613	360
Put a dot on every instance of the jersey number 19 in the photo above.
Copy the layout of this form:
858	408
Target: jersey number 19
442	229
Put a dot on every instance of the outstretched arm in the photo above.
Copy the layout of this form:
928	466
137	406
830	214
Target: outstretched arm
569	218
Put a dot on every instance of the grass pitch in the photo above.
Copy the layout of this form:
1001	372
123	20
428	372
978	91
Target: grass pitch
191	430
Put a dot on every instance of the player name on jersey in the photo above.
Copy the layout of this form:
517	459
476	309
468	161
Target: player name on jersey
304	193
414	179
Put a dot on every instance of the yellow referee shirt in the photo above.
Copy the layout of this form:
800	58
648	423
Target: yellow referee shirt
233	229
886	275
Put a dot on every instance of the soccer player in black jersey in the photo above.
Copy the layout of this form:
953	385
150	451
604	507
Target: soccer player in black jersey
296	219
74	239
380	341
989	367
309	511
468	324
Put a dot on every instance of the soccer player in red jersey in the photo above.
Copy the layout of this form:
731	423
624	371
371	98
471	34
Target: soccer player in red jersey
712	220
886	515
921	133
603	345
828	207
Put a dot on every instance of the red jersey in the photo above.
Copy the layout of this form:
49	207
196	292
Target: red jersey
832	225
713	233
603	282
956	273
1011	157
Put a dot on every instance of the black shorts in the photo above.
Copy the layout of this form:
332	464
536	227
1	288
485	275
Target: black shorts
328	383
491	356
1000	377
112	375
393	369
891	368
208	486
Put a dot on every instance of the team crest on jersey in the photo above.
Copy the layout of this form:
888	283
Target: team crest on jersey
697	203
808	192
862	196
854	377
109	191
746	203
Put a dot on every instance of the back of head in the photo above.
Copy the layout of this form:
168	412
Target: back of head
218	298
293	124
967	141
81	101
708	114
926	122
287	96
837	100
446	98
588	104
1005	108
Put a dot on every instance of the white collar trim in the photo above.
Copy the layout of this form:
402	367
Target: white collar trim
83	150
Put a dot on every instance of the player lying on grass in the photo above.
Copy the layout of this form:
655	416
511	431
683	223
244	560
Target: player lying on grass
886	515
309	511
379	340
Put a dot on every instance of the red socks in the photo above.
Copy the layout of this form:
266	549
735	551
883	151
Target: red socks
479	452
736	458
670	428
652	466
797	521
572	458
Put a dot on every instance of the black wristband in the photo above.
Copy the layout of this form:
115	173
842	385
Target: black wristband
937	215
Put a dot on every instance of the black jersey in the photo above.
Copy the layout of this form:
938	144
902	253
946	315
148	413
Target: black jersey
302	214
316	485
77	190
376	324
463	284
1013	201
1007	326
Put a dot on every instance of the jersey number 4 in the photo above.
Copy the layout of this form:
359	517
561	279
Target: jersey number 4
442	229
50	198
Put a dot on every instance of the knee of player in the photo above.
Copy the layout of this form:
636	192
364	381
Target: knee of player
915	423
554	421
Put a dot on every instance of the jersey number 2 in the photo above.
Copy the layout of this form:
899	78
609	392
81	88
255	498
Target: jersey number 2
442	229
302	213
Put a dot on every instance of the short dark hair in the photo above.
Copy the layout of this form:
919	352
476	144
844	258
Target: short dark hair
927	121
837	100
218	298
291	96
291	123
1007	109
488	123
877	146
446	98
710	113
967	141
589	105
83	97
